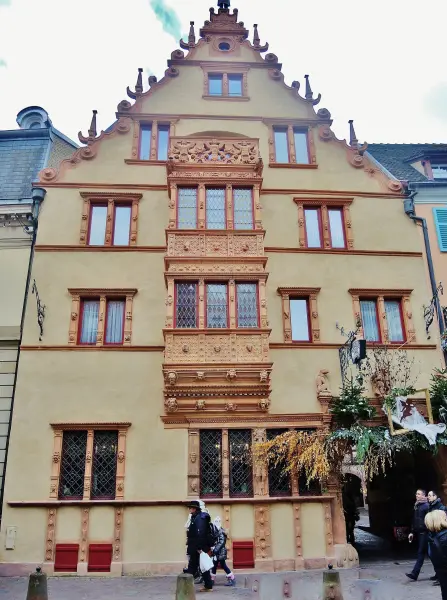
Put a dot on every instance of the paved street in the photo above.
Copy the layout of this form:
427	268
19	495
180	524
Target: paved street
163	588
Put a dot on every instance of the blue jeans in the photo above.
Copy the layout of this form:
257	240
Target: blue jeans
422	541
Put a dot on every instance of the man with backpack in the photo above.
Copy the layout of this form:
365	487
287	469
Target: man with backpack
200	538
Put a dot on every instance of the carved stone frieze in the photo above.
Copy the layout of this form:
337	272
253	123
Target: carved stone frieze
50	541
222	268
203	244
213	151
263	547
119	512
212	348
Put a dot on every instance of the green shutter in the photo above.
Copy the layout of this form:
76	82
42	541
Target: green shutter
440	217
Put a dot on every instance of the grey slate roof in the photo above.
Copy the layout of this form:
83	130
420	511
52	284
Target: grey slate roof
397	158
21	159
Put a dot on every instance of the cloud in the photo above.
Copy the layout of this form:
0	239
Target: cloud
436	101
167	17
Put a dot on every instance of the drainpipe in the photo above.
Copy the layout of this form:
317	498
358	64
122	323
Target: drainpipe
410	212
38	195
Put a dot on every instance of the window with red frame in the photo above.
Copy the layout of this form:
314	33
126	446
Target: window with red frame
103	484
393	312
215	208
120	225
284	139
247	305
394	320
114	323
299	319
370	320
187	208
313	226
72	471
186	305
216	305
243	208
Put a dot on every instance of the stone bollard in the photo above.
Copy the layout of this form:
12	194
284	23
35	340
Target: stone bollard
37	586
185	587
331	585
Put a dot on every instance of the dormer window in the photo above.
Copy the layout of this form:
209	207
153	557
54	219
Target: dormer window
439	170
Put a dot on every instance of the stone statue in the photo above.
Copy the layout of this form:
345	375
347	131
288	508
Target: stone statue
322	383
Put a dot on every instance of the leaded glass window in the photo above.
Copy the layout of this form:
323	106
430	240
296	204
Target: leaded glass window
186	305
71	478
216	305
247	304
105	445
215	208
279	481
187	208
241	473
210	463
243	208
313	488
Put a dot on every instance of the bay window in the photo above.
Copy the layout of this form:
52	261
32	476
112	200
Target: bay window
187	208
247	305
186	305
243	208
215	208
216	305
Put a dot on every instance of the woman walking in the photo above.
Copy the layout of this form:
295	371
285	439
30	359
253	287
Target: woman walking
436	523
220	553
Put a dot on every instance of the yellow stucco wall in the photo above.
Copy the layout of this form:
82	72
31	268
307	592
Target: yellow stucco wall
283	535
312	530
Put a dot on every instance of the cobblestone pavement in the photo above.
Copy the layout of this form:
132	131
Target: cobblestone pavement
163	588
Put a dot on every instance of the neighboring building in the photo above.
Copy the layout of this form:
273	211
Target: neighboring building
176	335
422	168
23	153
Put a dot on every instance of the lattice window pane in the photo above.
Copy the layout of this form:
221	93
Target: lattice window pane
241	472
105	446
216	305
211	463
215	208
71	479
247	304
187	208
243	208
186	305
279	481
313	489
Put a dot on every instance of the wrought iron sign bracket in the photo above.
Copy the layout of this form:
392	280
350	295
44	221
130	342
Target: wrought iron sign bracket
40	309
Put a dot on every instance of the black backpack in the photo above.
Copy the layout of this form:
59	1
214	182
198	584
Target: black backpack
212	535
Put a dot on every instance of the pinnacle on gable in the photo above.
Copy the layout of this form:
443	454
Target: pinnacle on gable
92	132
309	93
192	34
353	141
256	38
138	86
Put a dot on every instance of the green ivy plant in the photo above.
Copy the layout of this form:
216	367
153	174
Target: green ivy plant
352	406
438	394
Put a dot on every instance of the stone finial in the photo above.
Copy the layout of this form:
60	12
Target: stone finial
91	132
353	141
256	38
192	34
309	92
138	86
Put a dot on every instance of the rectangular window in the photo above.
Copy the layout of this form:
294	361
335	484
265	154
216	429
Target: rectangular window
336	229
98	220
215	208
281	146
216	305
440	217
313	488
241	473
105	445
439	170
187	208
370	320
72	470
299	319
247	304
312	219
145	142
301	148
235	85
210	463
115	321
279	481
186	305
89	321
243	208
215	85
393	313
121	225
163	142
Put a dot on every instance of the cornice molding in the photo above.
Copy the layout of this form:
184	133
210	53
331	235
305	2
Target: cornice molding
374	292
92	425
102	291
93	348
344	251
299	291
328	201
112	195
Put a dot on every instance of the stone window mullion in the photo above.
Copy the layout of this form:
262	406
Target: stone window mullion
257	206
314	317
225	464
85	221
74	320
201	198
325	226
263	320
193	463
201	303
127	338
232	303
286	318
173	206
134	223
408	320
136	140
383	325
88	464
225	84
358	315
229	205
301	226
56	464
348	227
109	223
154	140
120	464
291	144
170	308
101	321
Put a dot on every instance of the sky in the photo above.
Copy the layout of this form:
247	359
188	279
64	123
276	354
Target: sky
380	63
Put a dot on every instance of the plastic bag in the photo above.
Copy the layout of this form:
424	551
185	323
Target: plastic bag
206	562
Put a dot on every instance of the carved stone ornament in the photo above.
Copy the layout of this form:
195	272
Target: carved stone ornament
322	383
171	405
209	151
259	436
56	457
231	375
121	456
200	375
200	405
230	407
172	378
263	376
193	457
264	404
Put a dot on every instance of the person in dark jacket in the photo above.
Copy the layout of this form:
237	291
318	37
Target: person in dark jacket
436	523
434	502
198	540
220	553
419	530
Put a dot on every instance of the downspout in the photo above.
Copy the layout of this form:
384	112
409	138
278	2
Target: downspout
38	195
410	212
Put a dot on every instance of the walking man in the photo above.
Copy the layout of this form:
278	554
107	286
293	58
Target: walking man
419	530
198	536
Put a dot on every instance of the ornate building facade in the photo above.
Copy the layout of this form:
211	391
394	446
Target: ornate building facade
206	246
